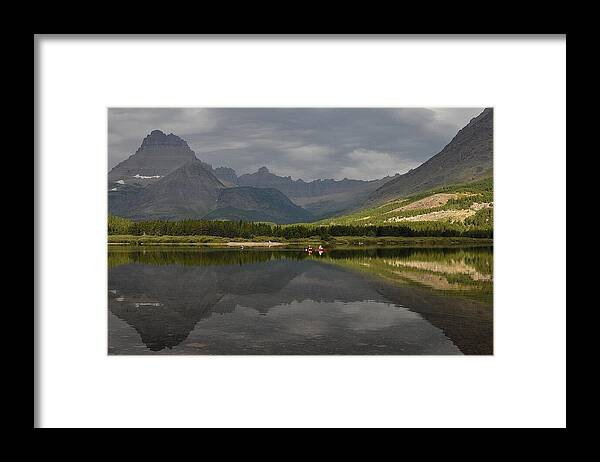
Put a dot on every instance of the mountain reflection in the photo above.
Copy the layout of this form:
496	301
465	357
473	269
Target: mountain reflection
372	301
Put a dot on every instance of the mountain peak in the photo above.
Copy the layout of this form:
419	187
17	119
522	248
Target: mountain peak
467	157
263	170
158	155
158	137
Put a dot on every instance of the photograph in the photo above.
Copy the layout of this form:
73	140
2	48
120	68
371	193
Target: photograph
300	231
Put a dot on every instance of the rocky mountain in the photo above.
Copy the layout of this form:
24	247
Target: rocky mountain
257	204
158	155
190	191
468	157
193	191
165	180
320	197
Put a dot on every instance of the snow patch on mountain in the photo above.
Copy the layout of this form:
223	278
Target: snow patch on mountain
144	177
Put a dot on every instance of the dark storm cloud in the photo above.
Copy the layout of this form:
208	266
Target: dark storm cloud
363	143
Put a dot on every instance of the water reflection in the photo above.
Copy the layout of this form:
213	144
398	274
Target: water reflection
373	301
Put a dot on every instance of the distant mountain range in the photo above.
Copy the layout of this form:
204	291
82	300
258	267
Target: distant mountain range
257	204
320	197
165	180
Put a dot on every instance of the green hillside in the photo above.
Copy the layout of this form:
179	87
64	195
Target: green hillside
468	205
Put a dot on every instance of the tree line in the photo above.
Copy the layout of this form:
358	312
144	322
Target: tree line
249	230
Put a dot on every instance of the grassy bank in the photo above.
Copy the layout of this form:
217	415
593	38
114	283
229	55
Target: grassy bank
337	241
423	206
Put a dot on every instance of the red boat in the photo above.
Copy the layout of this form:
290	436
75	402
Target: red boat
310	250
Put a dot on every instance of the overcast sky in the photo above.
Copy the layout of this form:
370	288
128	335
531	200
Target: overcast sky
361	143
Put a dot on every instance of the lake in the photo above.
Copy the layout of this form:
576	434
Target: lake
384	301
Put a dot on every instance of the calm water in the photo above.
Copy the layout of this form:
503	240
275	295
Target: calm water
383	301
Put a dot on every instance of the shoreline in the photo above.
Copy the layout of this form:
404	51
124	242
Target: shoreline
263	242
254	244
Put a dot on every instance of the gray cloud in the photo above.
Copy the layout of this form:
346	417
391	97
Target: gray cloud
306	143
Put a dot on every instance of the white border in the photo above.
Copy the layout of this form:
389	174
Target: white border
522	385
